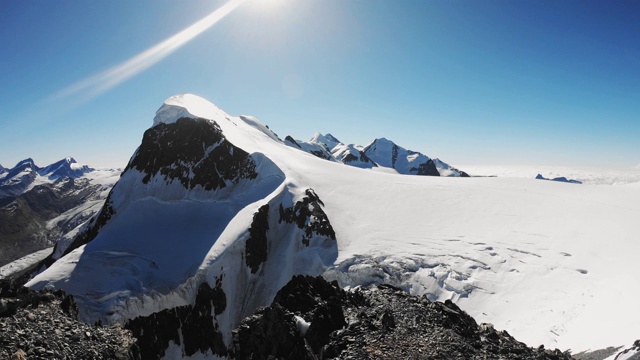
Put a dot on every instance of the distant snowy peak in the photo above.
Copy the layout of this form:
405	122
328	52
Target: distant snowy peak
312	148
380	152
26	166
559	179
26	174
352	155
329	141
386	153
65	168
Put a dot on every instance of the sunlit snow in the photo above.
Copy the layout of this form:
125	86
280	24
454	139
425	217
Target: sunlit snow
549	262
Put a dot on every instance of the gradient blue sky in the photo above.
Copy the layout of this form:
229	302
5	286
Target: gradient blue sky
470	82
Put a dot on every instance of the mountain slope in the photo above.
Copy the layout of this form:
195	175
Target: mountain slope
192	208
386	153
525	255
40	206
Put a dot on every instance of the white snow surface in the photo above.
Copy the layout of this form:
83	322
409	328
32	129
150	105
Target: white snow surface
24	262
587	175
329	141
549	262
626	353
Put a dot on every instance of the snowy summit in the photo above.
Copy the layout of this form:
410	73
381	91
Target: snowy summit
232	210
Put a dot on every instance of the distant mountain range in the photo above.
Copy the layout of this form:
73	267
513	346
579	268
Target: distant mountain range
379	153
215	213
559	179
39	206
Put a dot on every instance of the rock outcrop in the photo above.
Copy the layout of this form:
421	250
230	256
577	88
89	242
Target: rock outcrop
313	319
42	325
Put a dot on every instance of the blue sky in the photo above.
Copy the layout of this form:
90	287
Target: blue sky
470	82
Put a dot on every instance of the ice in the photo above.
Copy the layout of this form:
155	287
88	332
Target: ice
542	260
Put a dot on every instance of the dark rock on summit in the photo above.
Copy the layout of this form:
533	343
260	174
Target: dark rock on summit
194	152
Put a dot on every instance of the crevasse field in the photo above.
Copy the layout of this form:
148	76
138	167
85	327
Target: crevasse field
552	263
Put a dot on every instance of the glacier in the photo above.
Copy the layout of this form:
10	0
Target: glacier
542	260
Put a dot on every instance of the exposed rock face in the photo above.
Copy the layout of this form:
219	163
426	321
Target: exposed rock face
194	152
308	212
383	322
257	243
192	324
426	169
353	156
42	325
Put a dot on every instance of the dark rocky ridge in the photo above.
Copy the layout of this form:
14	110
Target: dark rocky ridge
380	323
194	324
257	244
42	325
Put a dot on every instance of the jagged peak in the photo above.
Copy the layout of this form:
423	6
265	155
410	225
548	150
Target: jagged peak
328	140
189	106
381	144
26	161
67	167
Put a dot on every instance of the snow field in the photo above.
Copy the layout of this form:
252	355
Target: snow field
551	263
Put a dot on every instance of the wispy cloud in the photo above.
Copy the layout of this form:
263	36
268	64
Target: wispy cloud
97	84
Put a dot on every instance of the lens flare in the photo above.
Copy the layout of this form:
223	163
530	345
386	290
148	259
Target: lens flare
105	80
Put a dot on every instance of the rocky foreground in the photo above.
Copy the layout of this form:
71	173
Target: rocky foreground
309	318
42	325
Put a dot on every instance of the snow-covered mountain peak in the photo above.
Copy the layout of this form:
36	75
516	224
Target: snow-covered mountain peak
189	106
26	162
65	168
24	167
328	140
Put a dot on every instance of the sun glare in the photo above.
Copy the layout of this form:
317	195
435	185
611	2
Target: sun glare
103	81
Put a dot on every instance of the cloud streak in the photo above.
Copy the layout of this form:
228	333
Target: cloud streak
99	83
